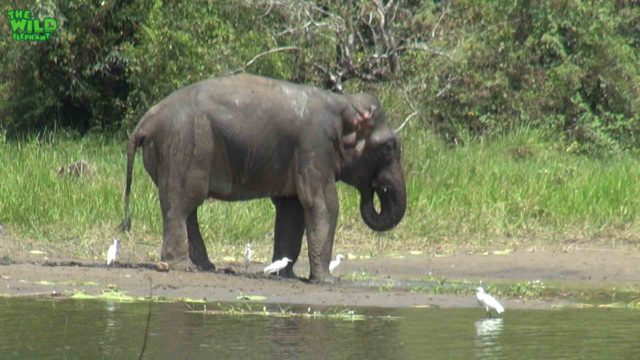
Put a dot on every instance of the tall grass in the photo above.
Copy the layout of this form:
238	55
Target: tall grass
480	194
518	185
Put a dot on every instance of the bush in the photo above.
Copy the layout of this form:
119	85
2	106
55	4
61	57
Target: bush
200	39
486	68
565	66
76	79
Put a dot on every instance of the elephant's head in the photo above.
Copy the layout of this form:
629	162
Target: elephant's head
370	161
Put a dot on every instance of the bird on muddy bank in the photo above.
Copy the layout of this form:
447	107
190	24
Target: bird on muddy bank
488	301
112	253
277	265
248	254
334	263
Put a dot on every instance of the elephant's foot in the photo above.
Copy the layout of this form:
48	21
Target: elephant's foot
321	279
190	266
204	265
288	273
201	260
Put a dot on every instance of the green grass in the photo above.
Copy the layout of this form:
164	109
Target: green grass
484	193
519	186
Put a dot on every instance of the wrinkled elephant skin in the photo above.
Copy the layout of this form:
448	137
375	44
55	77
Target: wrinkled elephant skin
245	137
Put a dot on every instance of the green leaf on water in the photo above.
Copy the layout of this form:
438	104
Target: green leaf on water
251	297
79	283
616	305
190	300
110	295
502	252
83	296
44	282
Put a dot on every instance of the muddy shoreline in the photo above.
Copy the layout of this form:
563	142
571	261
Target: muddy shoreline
372	282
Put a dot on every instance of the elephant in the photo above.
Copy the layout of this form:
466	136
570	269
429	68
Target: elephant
243	137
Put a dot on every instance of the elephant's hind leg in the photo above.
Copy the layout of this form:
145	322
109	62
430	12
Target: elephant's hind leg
175	247
181	241
288	232
197	249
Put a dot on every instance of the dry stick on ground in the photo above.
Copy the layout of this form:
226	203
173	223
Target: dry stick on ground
255	58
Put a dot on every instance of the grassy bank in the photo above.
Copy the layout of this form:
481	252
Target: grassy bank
482	194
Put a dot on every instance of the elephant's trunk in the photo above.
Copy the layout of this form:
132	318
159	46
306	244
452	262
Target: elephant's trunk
390	188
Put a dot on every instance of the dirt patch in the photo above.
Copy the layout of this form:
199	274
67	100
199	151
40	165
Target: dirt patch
593	267
359	281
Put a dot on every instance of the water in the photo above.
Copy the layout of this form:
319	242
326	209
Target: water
68	329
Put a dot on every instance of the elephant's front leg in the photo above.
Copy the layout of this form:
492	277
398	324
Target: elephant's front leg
321	215
288	231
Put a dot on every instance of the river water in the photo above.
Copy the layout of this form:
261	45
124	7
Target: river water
94	329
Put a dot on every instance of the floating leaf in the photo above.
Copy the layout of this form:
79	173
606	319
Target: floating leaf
502	252
83	296
118	296
251	297
79	283
44	282
616	305
86	283
190	300
107	295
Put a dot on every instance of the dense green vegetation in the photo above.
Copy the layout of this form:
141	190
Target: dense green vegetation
510	191
568	67
523	116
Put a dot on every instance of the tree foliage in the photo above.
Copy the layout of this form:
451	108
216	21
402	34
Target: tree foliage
485	67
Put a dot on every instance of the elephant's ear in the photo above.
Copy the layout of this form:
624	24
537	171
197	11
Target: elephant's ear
356	128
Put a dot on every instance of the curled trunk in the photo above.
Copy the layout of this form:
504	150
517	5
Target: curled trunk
393	204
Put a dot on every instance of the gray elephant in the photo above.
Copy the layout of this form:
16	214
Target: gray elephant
245	137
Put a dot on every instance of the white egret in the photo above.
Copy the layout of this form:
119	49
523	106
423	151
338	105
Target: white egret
277	265
334	263
113	252
488	301
248	254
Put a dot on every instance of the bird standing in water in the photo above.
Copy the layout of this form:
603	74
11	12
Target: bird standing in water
488	301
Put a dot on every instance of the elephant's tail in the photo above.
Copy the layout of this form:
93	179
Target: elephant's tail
136	140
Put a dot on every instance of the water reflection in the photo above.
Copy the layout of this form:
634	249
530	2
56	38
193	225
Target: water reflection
488	331
33	329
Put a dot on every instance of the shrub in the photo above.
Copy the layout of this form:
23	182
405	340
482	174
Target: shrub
199	39
76	79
